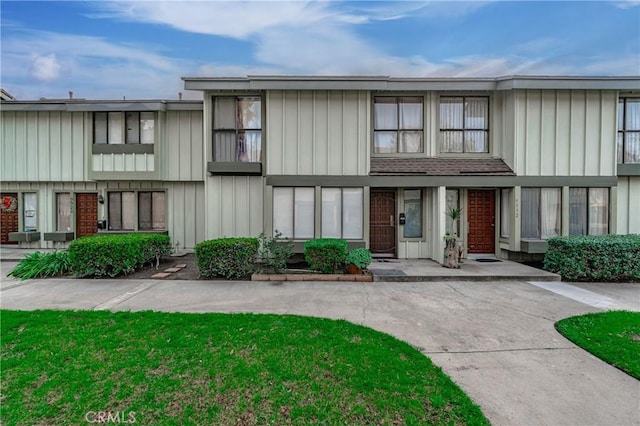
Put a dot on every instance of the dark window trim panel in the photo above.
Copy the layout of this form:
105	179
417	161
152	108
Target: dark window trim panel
59	236
628	169
24	236
142	148
234	168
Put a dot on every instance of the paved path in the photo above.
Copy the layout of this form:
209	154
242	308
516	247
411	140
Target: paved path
495	339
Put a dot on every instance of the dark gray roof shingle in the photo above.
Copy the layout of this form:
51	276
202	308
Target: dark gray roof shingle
440	166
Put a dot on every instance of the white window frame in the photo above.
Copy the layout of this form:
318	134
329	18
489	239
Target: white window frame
625	133
136	209
539	213
118	124
464	129
398	129
242	144
297	224
342	213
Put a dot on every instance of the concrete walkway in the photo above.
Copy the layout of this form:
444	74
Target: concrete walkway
496	339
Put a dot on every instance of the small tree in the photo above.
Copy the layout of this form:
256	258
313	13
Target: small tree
451	249
275	251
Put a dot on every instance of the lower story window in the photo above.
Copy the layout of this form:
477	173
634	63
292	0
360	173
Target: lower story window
453	202
294	212
342	213
588	211
541	213
30	211
149	206
413	213
505	215
63	212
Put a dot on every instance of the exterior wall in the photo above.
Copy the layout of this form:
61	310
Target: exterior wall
234	206
43	146
123	162
181	148
562	132
317	132
628	195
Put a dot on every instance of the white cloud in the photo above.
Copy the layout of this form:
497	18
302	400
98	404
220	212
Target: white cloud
626	4
45	68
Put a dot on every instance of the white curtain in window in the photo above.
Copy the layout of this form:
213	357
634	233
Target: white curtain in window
116	127
410	141
30	211
249	113
451	141
147	127
385	114
530	227
283	211
476	112
352	213
598	211
633	114
451	112
331	212
385	142
63	212
577	211
550	210
505	212
248	147
304	212
128	210
410	113
632	147
475	141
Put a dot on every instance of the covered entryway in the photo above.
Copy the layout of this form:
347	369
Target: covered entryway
86	214
9	217
382	233
481	217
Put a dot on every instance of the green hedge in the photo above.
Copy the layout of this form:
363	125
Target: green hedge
113	255
325	254
226	257
594	258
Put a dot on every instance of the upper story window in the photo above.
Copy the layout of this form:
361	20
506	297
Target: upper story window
464	124
629	130
397	124
237	129
124	127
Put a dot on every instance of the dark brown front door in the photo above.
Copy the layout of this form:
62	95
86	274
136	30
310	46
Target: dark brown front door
482	217
383	223
86	214
9	217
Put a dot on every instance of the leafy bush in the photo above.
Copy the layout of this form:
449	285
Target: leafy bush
325	254
274	251
594	258
359	257
42	265
226	257
113	255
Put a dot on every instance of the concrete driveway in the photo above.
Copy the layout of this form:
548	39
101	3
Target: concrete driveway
495	339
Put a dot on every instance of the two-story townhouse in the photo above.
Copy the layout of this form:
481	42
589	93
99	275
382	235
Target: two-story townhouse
74	167
379	160
374	160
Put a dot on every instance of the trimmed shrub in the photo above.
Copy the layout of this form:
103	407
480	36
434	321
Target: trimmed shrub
113	255
226	257
359	257
325	254
42	265
594	258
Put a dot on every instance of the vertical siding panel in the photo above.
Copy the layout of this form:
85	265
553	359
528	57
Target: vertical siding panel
521	131
201	213
334	145
351	141
532	141
171	156
197	146
623	205
548	127
55	160
578	125
78	146
305	133
563	133
321	137
274	130
634	204
290	121
592	133
66	146
256	206
43	149
184	142
28	154
608	131
10	123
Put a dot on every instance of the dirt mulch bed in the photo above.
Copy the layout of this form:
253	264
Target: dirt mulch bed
190	272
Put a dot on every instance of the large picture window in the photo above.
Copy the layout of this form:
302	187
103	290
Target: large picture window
588	211
629	130
147	206
342	213
237	129
294	212
541	213
464	124
398	124
124	127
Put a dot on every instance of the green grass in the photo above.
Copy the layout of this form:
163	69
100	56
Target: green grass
161	368
612	336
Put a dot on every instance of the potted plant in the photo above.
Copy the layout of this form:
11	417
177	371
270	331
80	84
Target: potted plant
357	260
452	251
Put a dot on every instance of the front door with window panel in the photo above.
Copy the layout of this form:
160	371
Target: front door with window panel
383	235
481	217
9	217
86	214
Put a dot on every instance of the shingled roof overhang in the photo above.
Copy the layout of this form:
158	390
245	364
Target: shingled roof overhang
439	167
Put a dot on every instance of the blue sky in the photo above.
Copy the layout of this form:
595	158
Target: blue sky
140	49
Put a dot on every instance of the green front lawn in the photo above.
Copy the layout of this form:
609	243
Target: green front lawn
611	336
62	367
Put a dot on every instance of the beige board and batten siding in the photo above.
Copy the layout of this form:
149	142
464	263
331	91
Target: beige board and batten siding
181	149
318	132
628	214
562	132
123	162
43	146
234	206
